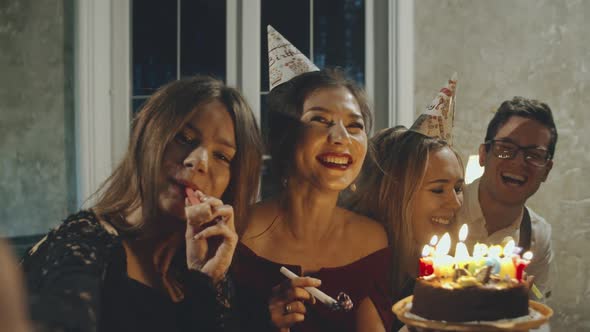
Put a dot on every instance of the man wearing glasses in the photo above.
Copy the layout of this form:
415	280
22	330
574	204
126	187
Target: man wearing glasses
517	155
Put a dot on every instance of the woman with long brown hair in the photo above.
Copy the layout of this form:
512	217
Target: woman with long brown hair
153	252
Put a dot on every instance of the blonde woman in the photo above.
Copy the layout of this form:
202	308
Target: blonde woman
414	186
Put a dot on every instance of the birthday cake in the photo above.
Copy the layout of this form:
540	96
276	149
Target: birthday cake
437	300
488	286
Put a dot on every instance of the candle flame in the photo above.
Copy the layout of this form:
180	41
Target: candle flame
528	255
509	248
495	251
434	240
444	245
426	250
463	232
480	250
461	252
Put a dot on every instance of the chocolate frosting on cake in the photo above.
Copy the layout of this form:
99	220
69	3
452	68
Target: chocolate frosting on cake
470	303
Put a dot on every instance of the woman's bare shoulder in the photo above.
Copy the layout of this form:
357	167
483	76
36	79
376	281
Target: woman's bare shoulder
368	234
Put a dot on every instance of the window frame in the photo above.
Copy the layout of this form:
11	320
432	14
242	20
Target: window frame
102	90
103	77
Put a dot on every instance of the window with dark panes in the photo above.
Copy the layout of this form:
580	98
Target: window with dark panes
174	39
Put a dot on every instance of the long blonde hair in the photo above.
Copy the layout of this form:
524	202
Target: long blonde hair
164	114
386	190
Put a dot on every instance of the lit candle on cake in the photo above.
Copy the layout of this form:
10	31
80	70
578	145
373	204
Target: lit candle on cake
480	250
522	263
507	267
493	259
433	241
426	263
443	263
461	252
428	249
478	261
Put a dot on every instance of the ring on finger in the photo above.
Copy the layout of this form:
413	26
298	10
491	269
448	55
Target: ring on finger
287	309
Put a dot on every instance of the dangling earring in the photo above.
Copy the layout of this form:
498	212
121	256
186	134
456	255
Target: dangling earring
353	187
284	182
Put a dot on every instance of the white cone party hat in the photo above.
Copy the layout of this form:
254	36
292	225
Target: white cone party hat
437	119
285	61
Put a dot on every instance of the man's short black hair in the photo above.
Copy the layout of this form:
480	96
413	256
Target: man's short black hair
526	108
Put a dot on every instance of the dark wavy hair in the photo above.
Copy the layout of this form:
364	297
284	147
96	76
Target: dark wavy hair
285	105
526	108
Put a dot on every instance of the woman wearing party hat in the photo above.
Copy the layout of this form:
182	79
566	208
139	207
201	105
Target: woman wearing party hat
414	185
318	142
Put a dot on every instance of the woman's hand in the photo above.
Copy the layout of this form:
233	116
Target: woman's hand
287	304
210	236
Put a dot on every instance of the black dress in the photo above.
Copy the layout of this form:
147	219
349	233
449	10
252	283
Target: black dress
77	281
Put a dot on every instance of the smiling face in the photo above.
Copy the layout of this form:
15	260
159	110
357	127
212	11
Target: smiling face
439	197
199	157
513	181
333	142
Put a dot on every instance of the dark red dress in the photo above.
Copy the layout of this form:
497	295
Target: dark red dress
255	276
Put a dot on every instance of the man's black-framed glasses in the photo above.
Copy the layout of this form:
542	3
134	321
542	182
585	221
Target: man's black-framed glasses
535	156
